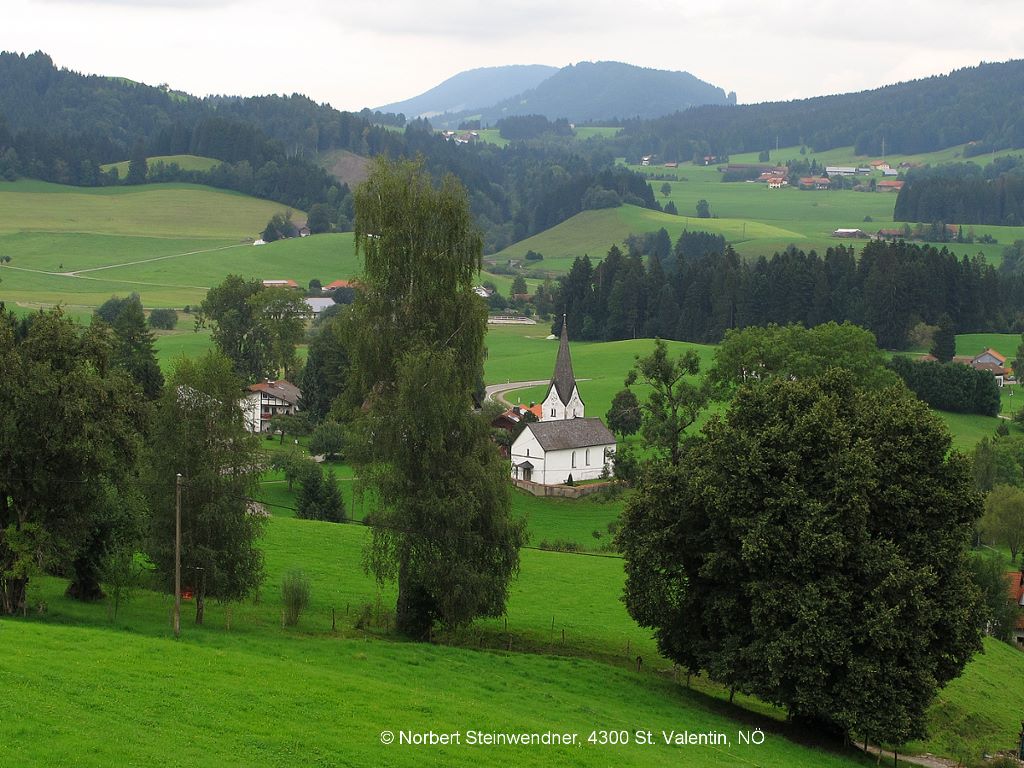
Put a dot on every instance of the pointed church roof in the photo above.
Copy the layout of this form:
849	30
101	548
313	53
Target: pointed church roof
563	380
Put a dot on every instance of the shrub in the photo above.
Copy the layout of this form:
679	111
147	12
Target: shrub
569	481
327	439
164	319
294	595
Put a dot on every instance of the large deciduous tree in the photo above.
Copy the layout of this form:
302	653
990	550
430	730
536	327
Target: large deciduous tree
1003	521
258	328
283	313
811	550
236	330
443	528
792	351
199	431
69	442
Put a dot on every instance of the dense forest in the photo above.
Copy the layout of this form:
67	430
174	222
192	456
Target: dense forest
698	290
983	104
965	193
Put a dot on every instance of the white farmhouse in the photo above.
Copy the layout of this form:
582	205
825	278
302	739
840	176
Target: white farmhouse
563	442
268	399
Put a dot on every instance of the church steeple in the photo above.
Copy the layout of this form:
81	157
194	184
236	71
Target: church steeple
563	380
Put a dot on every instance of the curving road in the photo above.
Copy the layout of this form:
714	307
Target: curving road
495	391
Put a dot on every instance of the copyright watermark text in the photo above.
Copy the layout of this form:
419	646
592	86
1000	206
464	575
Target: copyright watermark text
597	737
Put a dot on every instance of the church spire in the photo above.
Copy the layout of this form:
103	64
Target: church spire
563	380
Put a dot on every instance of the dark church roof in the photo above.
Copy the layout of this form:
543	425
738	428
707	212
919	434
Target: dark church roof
561	434
564	380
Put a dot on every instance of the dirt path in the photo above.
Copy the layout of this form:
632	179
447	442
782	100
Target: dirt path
928	761
78	272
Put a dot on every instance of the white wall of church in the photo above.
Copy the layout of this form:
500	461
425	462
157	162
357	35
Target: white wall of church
526	448
554	467
581	463
555	410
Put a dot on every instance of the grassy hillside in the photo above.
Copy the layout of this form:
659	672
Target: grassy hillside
979	711
185	162
754	219
78	685
168	242
168	210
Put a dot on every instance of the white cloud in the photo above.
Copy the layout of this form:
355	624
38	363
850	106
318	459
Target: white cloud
366	52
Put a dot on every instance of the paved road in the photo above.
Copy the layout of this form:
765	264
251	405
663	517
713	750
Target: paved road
495	391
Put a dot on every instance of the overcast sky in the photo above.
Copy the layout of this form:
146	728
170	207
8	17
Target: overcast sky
357	53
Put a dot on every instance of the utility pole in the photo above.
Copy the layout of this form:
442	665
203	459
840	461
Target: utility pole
177	556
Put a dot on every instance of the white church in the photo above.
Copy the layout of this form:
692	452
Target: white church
564	442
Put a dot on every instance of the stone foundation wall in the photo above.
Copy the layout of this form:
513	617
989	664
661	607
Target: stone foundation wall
559	491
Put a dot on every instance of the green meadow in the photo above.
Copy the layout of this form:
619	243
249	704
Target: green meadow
185	162
754	219
244	690
169	210
581	133
168	242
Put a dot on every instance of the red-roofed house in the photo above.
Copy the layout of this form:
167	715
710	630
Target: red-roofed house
335	284
815	182
989	360
1015	582
889	186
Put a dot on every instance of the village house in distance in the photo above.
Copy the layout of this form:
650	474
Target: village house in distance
267	399
563	443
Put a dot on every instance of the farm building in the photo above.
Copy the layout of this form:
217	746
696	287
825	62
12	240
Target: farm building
814	182
563	443
1015	582
280	284
988	360
318	305
889	186
840	170
858	233
336	284
268	399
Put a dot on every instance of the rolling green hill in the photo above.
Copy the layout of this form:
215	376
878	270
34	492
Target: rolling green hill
754	219
167	210
168	242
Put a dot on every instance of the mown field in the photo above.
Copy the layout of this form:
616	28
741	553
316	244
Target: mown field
107	691
754	219
168	242
185	162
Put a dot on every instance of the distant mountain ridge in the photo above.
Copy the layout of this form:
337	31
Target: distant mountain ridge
473	89
583	92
